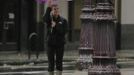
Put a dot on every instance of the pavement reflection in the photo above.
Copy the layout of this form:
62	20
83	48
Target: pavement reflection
25	73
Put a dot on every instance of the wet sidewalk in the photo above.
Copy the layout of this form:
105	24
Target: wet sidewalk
19	64
13	58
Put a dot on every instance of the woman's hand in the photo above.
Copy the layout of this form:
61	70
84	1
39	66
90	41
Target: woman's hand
53	24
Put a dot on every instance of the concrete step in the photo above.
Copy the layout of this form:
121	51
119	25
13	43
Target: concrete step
67	65
21	63
65	72
126	64
125	58
27	62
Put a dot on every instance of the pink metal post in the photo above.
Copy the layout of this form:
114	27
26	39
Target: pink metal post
104	55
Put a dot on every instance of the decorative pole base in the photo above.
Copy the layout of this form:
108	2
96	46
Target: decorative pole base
107	68
84	60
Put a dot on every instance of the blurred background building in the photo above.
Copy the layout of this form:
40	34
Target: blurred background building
20	18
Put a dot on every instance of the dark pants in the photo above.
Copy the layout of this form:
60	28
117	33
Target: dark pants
55	56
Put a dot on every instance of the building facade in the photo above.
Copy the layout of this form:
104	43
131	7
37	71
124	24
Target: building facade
20	18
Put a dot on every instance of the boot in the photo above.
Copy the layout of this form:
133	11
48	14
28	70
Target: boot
51	73
59	73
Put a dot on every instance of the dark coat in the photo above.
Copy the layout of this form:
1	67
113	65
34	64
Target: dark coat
56	35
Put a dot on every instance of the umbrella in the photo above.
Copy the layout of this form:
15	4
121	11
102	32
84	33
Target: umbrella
45	1
41	1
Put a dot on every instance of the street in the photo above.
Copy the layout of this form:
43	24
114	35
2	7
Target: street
14	64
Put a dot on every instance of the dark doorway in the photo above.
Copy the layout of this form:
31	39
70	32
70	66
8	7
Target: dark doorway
27	22
9	27
70	19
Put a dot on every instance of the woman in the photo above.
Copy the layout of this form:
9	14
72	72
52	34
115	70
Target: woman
56	31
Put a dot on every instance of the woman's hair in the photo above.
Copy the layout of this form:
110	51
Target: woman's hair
54	5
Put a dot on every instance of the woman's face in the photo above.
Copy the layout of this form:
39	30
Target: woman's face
55	11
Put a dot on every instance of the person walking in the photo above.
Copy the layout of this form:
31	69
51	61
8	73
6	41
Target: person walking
57	28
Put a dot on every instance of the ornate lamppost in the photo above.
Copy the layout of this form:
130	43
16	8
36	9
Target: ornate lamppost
104	60
86	36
